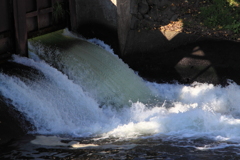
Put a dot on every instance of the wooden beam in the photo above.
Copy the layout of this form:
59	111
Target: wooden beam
45	10
32	14
19	10
38	12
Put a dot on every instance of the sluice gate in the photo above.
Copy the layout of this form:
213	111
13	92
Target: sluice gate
23	19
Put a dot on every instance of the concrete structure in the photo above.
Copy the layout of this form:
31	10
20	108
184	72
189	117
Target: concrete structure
23	19
139	29
142	41
100	12
135	21
129	26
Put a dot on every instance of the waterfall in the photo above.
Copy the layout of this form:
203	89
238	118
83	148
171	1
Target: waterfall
100	73
80	89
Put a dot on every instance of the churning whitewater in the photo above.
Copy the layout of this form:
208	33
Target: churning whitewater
57	104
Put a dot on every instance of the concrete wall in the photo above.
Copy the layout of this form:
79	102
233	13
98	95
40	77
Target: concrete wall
139	28
98	19
101	12
155	52
124	21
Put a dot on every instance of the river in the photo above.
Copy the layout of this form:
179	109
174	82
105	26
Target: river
93	112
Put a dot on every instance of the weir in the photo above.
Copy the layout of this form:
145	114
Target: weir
81	85
23	19
101	73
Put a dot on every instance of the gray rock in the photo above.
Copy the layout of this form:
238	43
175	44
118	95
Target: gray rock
134	9
134	23
143	8
157	3
173	8
151	2
168	13
164	2
147	17
146	23
153	13
139	16
144	2
174	17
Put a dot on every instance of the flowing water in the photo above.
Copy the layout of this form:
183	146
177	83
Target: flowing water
87	104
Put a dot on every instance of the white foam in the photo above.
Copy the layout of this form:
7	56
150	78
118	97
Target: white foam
57	105
194	111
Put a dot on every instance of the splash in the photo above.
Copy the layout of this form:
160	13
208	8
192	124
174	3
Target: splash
58	104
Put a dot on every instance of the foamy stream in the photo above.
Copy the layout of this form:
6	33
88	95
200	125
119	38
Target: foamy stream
59	107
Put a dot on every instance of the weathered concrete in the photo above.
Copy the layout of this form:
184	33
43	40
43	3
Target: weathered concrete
138	27
98	19
124	22
155	52
99	12
153	41
136	23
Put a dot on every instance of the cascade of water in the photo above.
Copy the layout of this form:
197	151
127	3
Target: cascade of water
52	103
103	75
58	103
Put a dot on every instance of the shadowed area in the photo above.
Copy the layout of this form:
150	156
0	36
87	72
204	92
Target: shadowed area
212	61
12	123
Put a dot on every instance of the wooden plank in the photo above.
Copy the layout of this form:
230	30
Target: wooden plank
20	26
32	14
5	19
41	11
4	40
5	45
46	10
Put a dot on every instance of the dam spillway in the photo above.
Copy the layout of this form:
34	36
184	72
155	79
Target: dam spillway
98	71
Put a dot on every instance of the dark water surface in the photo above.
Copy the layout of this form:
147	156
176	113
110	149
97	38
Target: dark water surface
53	147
